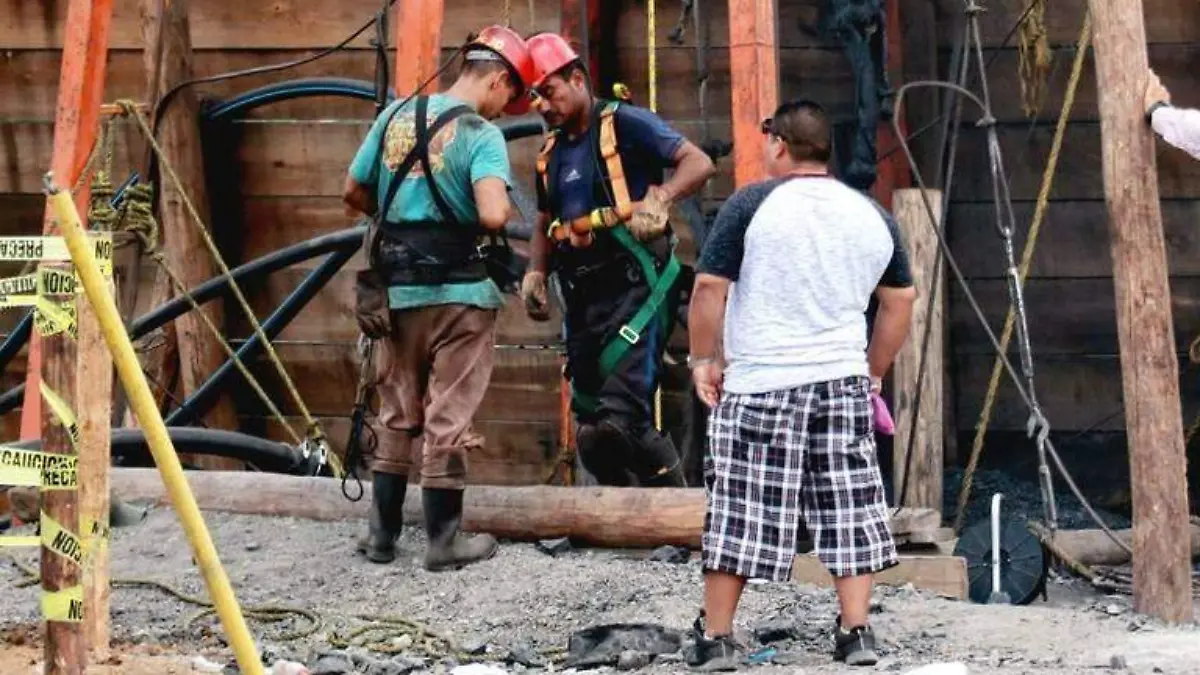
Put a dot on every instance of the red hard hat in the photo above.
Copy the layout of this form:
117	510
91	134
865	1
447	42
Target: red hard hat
509	46
549	53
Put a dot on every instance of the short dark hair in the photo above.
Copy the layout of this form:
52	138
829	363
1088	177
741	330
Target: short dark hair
483	68
804	126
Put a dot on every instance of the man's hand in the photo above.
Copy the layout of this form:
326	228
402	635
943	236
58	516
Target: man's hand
709	378
1155	92
533	292
649	219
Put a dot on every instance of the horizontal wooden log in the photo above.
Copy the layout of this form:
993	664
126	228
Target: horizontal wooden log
1065	316
1078	177
1166	21
1095	547
1074	240
599	516
945	575
1075	393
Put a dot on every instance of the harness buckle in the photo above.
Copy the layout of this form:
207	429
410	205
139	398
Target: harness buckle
629	335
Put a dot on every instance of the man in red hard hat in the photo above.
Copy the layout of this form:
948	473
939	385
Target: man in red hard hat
434	174
603	205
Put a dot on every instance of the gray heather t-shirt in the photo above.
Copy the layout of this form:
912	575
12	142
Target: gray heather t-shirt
805	255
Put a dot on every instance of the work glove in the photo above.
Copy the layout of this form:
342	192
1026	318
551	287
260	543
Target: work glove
649	219
533	293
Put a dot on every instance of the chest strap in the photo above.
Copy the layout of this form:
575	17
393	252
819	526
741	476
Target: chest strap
606	216
630	333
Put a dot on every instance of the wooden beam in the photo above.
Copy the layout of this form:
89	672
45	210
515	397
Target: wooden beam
925	484
1149	368
53	360
1094	547
600	516
942	574
418	44
168	56
754	76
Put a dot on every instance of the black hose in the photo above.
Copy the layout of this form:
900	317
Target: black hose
263	454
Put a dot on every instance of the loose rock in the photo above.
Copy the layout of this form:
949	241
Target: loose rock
554	547
1117	662
670	554
332	664
630	660
776	630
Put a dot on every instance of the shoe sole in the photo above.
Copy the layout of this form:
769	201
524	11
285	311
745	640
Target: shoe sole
862	658
455	565
378	558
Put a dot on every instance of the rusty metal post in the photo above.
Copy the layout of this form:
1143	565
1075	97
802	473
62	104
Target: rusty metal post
754	74
418	43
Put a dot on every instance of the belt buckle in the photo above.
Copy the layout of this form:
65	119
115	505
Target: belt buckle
630	335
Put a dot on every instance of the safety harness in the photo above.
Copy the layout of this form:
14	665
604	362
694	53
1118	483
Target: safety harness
425	252
612	219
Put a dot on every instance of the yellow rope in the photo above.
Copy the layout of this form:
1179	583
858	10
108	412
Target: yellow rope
314	430
1034	52
985	415
506	17
652	66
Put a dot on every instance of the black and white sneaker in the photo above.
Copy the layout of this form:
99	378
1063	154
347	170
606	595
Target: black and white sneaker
856	647
715	654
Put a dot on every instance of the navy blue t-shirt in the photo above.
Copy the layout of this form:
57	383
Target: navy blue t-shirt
646	144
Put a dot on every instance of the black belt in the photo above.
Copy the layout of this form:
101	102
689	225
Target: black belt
428	254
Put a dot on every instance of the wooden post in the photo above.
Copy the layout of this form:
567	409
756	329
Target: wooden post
925	484
418	44
1149	367
754	75
52	359
583	32
168	57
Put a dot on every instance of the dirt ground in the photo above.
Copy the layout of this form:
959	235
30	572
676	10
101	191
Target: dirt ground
523	605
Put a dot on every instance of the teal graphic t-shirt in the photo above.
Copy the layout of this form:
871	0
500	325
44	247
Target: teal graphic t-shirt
464	151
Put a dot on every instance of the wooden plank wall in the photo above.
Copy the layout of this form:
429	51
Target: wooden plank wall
1069	294
291	158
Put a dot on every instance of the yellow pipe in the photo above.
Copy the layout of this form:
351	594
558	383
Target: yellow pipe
142	402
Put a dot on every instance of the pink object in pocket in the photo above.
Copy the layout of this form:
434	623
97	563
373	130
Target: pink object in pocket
883	419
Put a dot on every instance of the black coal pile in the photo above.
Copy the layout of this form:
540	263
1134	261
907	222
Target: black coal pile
1022	499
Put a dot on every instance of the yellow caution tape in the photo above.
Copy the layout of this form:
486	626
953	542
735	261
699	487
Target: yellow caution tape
63	412
52	318
20	540
60	472
53	281
61	540
54	249
21	467
65	605
18	291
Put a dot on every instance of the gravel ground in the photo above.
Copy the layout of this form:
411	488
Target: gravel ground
524	601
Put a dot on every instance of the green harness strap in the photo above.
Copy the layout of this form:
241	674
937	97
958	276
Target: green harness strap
630	333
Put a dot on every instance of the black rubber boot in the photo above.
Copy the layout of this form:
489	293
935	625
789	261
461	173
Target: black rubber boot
387	517
448	548
604	451
658	463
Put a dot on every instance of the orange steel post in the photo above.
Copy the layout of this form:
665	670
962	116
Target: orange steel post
582	32
892	173
76	124
418	43
754	71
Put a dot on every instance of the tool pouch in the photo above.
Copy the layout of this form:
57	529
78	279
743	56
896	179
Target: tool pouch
371	293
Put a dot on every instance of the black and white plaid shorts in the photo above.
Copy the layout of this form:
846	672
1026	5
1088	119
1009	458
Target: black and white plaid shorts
782	460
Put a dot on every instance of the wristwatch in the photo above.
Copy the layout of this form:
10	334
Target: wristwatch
694	362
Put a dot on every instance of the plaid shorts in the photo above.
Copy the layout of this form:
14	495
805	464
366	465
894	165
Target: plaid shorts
783	460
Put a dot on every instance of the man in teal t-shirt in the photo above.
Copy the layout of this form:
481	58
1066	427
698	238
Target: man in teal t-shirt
434	366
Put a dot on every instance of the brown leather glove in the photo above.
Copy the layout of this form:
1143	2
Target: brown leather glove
649	219
533	292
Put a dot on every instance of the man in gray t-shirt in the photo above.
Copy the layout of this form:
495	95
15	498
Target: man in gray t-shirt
786	276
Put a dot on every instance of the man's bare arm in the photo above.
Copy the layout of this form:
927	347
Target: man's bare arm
706	315
692	167
357	198
892	321
492	203
539	244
